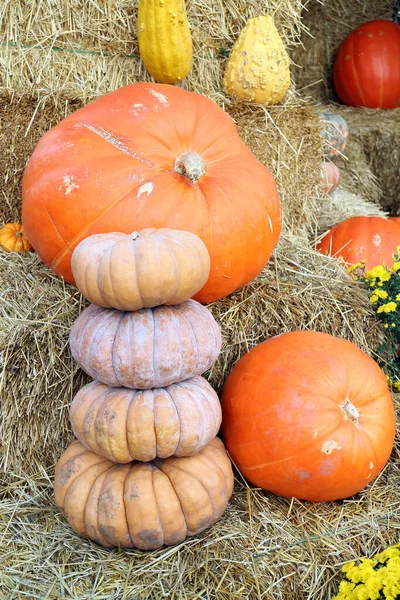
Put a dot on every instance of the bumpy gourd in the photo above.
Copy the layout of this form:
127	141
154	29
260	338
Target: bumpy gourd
165	41
258	67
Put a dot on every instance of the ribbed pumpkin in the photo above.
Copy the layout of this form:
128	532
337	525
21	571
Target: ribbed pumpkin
13	238
125	425
152	155
373	239
308	415
258	66
141	270
330	177
142	505
148	348
334	133
165	41
367	68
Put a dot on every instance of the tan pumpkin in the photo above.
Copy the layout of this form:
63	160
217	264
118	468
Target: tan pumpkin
142	505
145	269
152	347
258	66
125	425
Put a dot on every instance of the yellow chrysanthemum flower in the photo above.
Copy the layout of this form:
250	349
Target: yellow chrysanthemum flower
389	307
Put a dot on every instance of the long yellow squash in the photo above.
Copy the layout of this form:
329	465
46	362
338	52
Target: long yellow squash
165	41
258	66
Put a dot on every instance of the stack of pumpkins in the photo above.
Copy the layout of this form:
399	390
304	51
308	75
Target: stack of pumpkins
147	468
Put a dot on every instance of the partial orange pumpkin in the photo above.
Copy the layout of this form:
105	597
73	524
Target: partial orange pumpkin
152	155
125	425
308	415
140	270
373	239
13	238
142	505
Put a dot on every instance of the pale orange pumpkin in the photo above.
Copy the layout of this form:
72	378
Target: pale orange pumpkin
142	505
330	177
140	270
13	238
308	415
125	425
151	347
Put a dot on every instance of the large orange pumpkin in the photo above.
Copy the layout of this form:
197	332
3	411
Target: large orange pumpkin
308	415
142	505
367	67
373	239
152	155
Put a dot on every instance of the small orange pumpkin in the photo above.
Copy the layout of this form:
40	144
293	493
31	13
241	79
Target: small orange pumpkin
140	270
308	415
148	348
373	239
142	505
13	238
330	177
125	425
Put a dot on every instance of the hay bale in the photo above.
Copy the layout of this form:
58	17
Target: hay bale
335	208
81	49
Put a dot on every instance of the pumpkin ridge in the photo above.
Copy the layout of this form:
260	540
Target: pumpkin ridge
79	338
104	446
216	417
99	528
174	385
131	399
194	397
177	270
85	450
158	464
134	257
161	528
214	465
93	346
173	311
177	468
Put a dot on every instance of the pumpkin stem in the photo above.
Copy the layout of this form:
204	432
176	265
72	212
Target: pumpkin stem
350	412
191	165
256	7
134	235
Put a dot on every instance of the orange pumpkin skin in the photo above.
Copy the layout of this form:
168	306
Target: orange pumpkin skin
367	70
141	270
125	425
152	155
373	239
142	505
330	177
299	420
148	348
13	238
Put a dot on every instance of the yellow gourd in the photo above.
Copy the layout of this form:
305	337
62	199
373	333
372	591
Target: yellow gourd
165	41
258	66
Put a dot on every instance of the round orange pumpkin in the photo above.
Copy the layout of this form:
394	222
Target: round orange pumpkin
13	238
143	269
367	69
152	155
373	239
125	425
142	505
148	348
308	415
330	177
